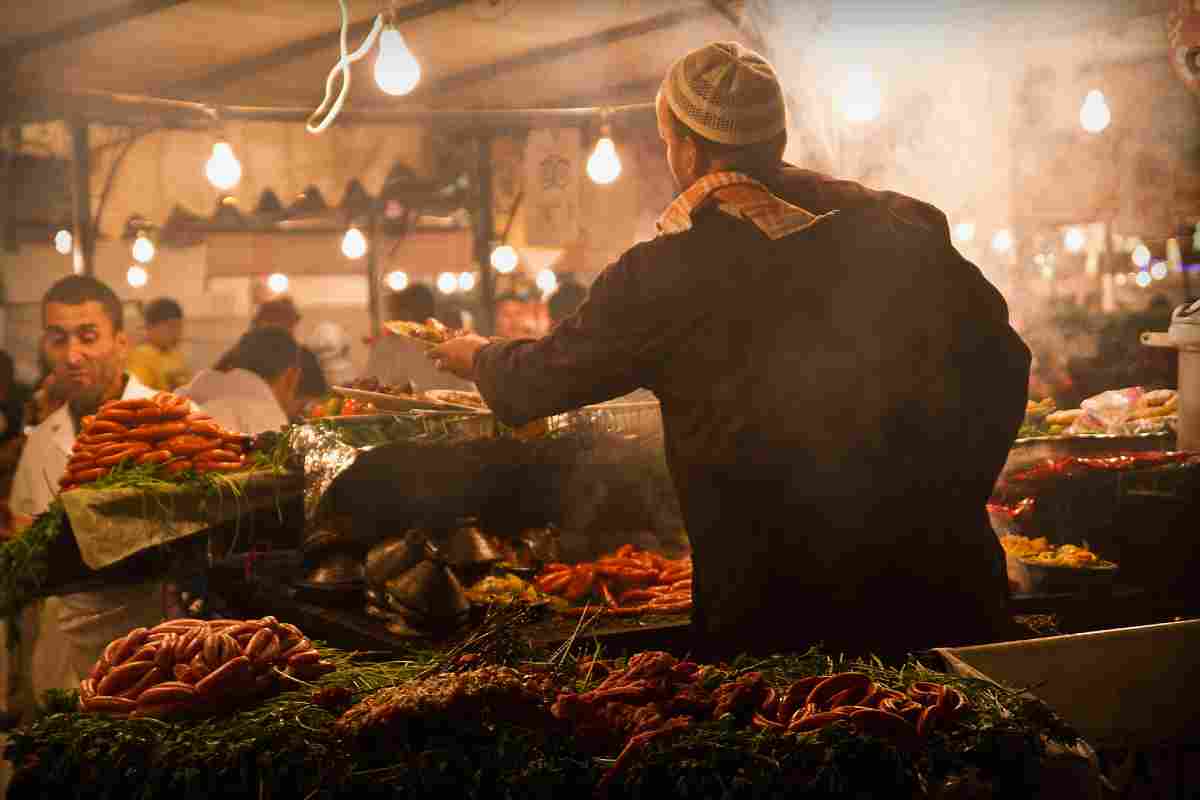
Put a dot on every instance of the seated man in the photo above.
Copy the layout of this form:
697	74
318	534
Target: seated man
256	387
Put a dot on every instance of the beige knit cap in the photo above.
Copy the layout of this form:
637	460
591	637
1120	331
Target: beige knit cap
726	93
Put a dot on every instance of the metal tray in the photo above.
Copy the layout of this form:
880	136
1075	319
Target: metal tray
1034	450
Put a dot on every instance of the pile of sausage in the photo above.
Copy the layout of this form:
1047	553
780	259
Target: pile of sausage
197	666
627	583
903	718
160	430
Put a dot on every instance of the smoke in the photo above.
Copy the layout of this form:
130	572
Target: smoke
901	96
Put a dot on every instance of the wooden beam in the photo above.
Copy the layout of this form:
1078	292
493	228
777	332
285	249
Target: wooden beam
85	26
555	52
139	110
296	50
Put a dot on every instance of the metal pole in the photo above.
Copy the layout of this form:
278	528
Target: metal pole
483	237
373	295
10	217
85	245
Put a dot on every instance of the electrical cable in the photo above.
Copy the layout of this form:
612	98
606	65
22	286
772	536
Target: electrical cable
342	67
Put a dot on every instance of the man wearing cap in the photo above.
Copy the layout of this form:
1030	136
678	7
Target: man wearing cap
839	386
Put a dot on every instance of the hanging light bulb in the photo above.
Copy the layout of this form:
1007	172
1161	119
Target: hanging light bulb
222	169
964	231
860	98
64	241
1121	279
354	244
137	276
1002	241
466	281
504	259
396	69
143	248
1141	256
603	165
447	282
1158	270
1074	240
277	282
1094	115
547	281
1143	279
397	281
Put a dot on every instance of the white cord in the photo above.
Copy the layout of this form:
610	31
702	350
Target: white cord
342	67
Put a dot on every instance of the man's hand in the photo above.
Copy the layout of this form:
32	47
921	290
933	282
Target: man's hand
457	356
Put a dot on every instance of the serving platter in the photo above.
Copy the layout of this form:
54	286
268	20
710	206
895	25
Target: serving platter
392	402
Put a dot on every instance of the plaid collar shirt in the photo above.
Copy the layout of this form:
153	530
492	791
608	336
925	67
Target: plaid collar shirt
738	195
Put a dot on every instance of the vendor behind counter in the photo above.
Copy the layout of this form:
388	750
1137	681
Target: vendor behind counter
839	386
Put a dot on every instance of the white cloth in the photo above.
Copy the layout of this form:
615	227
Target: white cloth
61	637
331	346
239	400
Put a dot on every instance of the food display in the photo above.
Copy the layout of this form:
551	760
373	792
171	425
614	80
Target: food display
1068	555
628	582
188	666
430	331
656	695
163	432
1119	412
1023	547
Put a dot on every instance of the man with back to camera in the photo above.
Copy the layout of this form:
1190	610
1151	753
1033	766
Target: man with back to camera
157	362
839	386
85	344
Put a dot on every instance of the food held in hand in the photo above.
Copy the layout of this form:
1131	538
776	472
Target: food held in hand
190	666
628	582
163	431
430	331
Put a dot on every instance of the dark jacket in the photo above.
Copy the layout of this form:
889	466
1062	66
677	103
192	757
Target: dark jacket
837	406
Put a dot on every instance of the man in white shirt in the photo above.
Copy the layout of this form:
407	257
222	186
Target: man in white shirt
85	343
255	387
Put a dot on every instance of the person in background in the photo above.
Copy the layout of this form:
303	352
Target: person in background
12	401
157	361
13	398
281	313
86	348
257	387
840	387
332	347
566	299
514	317
397	360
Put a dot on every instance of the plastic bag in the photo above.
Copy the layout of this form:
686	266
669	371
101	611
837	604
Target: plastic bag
1107	411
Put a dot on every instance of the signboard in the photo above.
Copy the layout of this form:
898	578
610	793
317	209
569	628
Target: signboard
553	165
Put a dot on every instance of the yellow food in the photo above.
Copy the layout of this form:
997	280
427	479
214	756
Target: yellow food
502	589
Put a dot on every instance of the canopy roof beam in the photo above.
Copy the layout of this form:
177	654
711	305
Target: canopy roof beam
84	26
571	47
249	67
